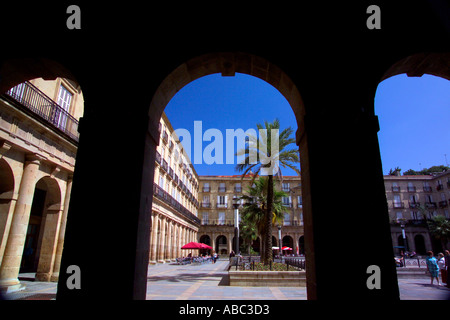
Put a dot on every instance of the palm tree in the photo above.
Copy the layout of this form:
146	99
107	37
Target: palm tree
439	227
253	215
265	155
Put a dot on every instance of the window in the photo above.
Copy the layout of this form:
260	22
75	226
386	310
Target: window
399	216
221	218
222	201
286	201
286	187
299	202
395	187
287	219
206	187
411	187
237	187
64	99
161	181
222	187
205	218
397	201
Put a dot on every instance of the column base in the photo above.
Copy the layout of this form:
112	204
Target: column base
43	276
11	285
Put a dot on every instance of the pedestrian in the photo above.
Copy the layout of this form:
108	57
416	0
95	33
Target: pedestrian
442	268
432	267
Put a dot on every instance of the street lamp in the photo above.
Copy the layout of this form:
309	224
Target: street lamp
236	222
405	245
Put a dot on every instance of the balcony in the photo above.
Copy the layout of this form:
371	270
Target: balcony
427	189
292	222
287	204
430	205
218	222
222	189
171	173
395	189
206	189
158	157
439	187
398	205
31	100
165	165
222	205
165	137
237	189
159	193
206	205
443	204
411	189
414	205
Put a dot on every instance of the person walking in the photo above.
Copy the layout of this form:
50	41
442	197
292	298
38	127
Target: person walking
433	267
442	268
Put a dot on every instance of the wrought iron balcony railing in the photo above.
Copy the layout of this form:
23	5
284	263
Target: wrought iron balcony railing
34	100
168	199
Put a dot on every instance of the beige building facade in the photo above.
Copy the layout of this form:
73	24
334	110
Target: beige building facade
217	215
413	199
175	194
38	145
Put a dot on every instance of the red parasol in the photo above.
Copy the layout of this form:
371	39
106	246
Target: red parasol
192	245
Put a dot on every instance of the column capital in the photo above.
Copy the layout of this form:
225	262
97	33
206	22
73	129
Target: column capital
34	158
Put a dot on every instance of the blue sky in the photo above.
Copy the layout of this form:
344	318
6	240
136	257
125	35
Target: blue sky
414	117
413	113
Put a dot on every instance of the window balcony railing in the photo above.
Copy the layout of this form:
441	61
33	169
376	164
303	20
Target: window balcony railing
168	199
411	189
158	157
443	204
165	165
414	205
206	189
222	189
32	99
398	205
237	189
395	189
222	205
430	205
218	222
427	189
206	205
287	204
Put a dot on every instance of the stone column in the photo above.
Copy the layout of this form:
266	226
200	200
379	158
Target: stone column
62	231
169	241
12	258
162	242
154	238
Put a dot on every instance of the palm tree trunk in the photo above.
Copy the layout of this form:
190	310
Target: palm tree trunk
268	241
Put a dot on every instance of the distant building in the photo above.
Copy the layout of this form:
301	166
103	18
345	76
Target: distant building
217	214
412	200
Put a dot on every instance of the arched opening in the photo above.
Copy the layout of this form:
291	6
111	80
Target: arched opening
205	239
419	243
301	245
43	230
221	245
7	203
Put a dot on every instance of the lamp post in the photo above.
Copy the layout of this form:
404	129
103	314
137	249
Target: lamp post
236	223
402	226
279	241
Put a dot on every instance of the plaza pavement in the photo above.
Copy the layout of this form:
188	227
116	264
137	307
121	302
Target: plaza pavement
209	282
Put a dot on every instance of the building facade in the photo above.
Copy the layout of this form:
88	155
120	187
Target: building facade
217	216
411	201
38	145
175	194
